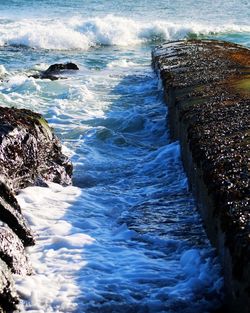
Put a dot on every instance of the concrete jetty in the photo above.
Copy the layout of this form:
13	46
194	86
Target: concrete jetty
207	89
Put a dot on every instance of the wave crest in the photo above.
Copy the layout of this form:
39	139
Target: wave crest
82	34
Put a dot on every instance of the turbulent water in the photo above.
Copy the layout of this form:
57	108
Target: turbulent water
126	237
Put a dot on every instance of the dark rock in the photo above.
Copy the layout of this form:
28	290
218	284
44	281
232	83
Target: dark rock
55	70
46	76
10	213
12	252
29	150
29	154
207	89
8	296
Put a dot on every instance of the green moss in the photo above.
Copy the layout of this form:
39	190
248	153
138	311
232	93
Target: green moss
183	92
45	125
199	88
195	101
190	103
244	84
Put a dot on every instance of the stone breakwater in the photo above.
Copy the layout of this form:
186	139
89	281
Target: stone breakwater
30	154
207	89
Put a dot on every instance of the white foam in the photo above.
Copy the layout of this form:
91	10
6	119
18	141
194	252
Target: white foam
123	233
58	253
67	151
41	66
17	80
58	259
3	70
22	83
198	269
80	33
121	63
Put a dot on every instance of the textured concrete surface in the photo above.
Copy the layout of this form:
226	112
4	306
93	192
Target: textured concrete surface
207	89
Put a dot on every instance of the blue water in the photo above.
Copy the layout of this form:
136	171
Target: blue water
127	237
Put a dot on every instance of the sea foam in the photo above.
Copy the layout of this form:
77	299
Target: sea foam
58	253
3	70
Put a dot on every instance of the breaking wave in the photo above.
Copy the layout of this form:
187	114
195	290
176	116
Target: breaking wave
78	33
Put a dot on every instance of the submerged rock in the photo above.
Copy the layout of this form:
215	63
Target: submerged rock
58	67
55	71
30	154
207	89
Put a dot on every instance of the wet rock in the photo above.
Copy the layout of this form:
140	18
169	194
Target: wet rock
29	154
8	296
55	71
207	89
10	213
55	68
12	252
29	151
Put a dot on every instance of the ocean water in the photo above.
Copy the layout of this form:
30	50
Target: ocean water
126	237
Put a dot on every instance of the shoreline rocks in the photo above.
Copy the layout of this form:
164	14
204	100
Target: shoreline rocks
30	154
29	151
207	89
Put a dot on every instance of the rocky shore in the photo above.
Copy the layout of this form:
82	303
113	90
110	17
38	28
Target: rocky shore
30	154
207	89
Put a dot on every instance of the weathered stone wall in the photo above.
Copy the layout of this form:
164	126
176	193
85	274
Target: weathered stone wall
30	154
207	89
